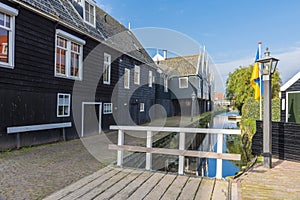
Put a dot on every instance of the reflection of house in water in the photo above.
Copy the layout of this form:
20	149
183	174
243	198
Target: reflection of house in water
290	100
188	75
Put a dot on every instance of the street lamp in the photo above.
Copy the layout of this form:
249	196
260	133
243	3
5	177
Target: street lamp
193	105
269	65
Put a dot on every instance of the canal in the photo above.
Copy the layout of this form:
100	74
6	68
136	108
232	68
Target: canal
232	144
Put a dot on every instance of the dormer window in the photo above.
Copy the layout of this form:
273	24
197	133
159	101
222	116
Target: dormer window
89	13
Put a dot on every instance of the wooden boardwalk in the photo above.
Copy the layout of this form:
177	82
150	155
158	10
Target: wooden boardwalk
280	182
119	183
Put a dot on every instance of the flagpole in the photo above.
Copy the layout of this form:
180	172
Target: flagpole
260	81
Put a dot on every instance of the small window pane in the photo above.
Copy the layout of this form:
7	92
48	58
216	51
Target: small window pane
7	21
4	45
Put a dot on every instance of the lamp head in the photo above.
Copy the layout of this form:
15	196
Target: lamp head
269	63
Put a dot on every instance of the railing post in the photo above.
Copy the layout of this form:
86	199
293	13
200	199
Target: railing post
149	155
181	158
120	152
219	161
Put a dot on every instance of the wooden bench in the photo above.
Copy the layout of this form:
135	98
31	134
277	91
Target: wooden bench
21	129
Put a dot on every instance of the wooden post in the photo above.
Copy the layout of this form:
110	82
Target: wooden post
181	158
149	155
120	152
64	134
18	140
219	161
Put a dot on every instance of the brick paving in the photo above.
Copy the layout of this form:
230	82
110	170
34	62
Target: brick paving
33	173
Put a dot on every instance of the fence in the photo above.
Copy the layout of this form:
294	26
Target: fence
181	152
285	140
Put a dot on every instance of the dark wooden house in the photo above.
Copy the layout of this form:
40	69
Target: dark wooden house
290	100
188	76
68	69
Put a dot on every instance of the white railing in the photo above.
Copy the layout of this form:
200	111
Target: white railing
181	152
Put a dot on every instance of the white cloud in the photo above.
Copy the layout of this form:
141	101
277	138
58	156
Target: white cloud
288	66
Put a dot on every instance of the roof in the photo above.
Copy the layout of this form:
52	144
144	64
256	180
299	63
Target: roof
290	82
107	30
180	66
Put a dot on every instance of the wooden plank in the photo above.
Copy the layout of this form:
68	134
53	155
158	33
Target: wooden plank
147	186
177	152
112	191
176	129
221	190
190	189
19	129
106	185
129	189
86	188
75	186
205	190
175	189
161	187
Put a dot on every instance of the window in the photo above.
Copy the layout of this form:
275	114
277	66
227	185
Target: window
107	108
89	14
126	78
183	82
68	59
63	105
106	68
137	75
142	107
165	84
7	35
150	79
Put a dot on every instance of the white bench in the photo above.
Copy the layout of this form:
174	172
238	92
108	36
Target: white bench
21	129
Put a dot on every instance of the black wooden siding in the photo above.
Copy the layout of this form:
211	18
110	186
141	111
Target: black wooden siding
285	140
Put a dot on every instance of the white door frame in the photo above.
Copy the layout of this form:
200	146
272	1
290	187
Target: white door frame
82	115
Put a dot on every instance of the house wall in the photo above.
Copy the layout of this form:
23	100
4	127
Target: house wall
128	100
28	93
293	88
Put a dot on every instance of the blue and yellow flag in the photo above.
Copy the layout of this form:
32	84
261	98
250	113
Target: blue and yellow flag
255	79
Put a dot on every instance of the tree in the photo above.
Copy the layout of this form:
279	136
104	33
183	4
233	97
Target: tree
238	85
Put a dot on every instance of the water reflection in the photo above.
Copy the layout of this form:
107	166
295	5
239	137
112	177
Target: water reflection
232	144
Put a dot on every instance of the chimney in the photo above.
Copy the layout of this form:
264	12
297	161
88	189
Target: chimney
129	26
165	54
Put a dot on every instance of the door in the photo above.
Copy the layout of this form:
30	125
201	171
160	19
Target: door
134	112
91	118
293	107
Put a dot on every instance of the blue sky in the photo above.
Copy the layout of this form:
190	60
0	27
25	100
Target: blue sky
230	30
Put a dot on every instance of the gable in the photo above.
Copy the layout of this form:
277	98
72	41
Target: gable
293	82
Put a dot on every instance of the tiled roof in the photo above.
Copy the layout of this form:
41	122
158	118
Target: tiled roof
108	30
180	66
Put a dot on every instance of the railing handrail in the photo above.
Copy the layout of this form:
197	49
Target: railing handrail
181	152
177	129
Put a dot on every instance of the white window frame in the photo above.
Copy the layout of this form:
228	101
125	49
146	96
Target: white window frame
127	84
12	13
180	82
150	79
107	108
107	68
85	17
63	104
137	75
70	39
287	104
142	107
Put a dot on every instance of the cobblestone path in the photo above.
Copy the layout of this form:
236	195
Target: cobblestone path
33	173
